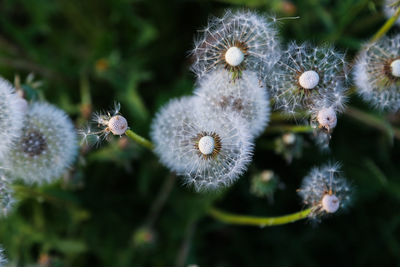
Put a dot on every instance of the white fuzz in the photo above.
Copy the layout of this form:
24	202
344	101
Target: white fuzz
6	197
309	79
46	147
324	190
3	259
240	40
395	66
11	116
330	203
177	131
375	73
206	145
244	98
117	125
234	56
326	118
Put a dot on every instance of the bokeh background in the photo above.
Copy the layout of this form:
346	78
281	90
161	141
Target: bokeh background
119	207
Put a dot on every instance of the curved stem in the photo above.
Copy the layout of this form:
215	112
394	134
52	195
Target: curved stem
289	128
386	27
230	218
139	139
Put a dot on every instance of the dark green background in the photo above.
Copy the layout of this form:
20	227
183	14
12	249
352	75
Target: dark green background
135	52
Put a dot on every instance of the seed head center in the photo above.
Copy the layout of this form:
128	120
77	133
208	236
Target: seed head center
330	203
309	79
118	125
206	145
395	66
234	56
34	144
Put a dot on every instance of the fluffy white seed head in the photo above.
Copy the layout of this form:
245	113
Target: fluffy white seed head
244	98
209	151
395	66
238	41
234	56
330	203
206	145
376	73
324	190
46	147
11	116
309	79
326	118
117	125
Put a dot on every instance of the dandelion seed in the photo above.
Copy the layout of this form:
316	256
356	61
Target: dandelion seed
377	73
243	98
238	41
307	78
46	147
324	190
210	152
11	116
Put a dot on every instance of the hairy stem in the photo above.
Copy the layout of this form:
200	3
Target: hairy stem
230	218
139	139
386	27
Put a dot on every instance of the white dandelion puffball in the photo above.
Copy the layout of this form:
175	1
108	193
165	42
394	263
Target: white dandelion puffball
377	73
326	118
390	7
209	151
11	116
307	77
238	41
324	190
7	199
244	98
46	147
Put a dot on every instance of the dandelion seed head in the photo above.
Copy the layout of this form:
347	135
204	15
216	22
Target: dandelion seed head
376	73
390	7
324	190
3	259
238	41
308	77
11	116
46	147
209	151
245	98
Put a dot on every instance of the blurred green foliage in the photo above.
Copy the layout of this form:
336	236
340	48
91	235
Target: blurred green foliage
120	207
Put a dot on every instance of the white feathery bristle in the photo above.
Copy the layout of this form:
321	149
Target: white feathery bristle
327	118
206	145
118	125
395	65
234	56
330	203
309	79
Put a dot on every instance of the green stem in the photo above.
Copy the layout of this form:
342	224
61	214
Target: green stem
139	139
386	27
230	218
289	128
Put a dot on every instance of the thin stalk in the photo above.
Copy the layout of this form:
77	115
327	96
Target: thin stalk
230	218
386	27
289	128
139	139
